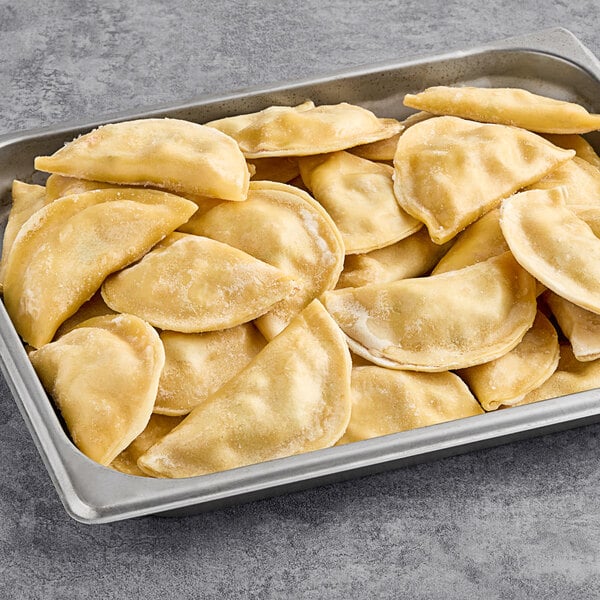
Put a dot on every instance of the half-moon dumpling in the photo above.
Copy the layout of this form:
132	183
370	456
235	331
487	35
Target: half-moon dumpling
94	307
327	128
507	106
581	327
386	401
275	168
478	242
383	150
506	380
233	125
293	397
198	364
575	142
286	228
554	245
570	377
158	426
359	196
176	155
191	284
103	377
410	257
64	252
448	321
26	200
579	179
58	186
449	172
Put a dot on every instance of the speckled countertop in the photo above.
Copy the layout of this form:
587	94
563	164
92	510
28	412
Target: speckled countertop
517	521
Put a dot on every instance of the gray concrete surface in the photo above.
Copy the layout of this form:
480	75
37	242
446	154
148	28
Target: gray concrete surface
518	521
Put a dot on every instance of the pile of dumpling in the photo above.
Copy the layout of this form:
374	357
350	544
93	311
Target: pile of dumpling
190	294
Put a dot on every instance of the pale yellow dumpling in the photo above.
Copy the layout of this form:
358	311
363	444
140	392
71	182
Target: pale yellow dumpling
506	106
94	307
58	186
557	247
575	142
172	154
359	196
26	200
411	257
191	284
327	128
386	401
448	321
579	179
64	252
198	364
276	168
236	123
158	426
286	228
449	171
581	327
570	377
103	377
293	397
506	380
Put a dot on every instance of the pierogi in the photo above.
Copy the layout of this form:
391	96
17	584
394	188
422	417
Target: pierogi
73	243
198	364
506	380
359	196
26	200
506	106
411	257
440	322
449	171
192	284
176	155
553	244
386	401
286	228
293	397
103	376
292	132
581	327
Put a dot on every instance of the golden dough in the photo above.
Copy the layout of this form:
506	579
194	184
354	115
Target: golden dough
172	154
506	106
198	364
579	179
448	321
570	377
581	327
192	284
290	132
554	245
158	426
62	255
386	401
293	397
411	257
359	196
478	242
575	142
277	168
286	228
449	172
506	380
27	199
103	377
